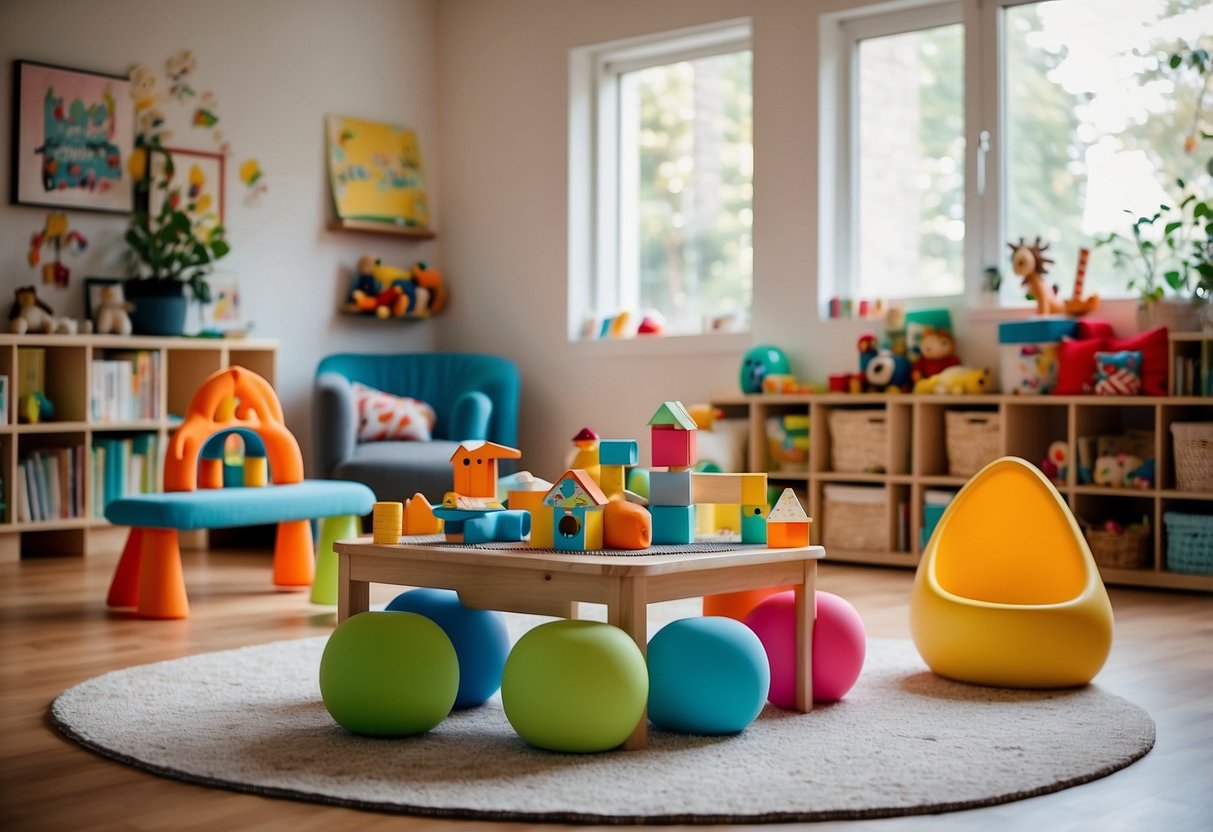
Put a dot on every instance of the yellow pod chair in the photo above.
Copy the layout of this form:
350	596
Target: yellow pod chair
1007	592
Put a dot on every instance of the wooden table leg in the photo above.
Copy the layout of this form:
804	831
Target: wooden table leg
353	596
806	612
631	614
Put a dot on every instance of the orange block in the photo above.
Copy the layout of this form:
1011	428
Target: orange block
787	535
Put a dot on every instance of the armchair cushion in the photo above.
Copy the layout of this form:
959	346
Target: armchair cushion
384	416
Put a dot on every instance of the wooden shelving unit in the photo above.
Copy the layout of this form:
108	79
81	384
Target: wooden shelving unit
915	460
380	228
184	364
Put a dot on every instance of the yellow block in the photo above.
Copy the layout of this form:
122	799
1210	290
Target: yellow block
705	519
611	479
387	522
727	518
753	489
593	530
256	471
541	516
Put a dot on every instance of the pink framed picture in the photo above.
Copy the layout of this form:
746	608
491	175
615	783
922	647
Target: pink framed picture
73	132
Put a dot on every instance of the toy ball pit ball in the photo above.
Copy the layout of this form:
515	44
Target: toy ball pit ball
389	674
839	646
578	686
761	362
706	676
638	481
479	637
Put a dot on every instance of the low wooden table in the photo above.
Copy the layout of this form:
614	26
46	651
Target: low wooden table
546	583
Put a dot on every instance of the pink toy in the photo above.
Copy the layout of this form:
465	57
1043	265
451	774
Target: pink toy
839	646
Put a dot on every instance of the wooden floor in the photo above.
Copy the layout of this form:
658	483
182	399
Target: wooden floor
55	631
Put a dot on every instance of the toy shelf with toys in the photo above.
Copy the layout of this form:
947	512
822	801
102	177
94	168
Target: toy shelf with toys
880	464
86	418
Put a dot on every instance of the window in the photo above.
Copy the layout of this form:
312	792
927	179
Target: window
964	127
661	182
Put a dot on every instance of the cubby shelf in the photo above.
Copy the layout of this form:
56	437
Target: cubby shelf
916	461
183	364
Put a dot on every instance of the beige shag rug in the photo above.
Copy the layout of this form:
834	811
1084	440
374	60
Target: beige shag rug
903	741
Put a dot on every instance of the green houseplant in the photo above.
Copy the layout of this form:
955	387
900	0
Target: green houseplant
174	238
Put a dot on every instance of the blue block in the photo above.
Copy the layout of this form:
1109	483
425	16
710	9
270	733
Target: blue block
754	524
674	524
498	526
670	488
618	452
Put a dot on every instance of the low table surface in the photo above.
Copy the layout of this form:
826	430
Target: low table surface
542	582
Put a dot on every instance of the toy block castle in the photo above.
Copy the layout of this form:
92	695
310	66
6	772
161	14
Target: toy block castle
576	504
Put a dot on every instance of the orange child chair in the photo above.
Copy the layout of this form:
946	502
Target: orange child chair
149	573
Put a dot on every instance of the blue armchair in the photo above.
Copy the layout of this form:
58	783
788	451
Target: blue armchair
474	397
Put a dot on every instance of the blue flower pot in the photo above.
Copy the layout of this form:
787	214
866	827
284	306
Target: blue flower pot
160	306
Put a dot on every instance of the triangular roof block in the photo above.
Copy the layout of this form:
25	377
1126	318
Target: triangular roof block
586	435
574	489
788	509
481	449
675	415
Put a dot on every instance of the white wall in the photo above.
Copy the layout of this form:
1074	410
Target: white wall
277	67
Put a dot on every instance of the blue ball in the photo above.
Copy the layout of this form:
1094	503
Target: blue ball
480	638
706	676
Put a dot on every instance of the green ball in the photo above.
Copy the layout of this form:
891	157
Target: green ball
389	674
638	481
575	686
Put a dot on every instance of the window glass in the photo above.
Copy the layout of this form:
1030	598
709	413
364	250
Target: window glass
910	165
685	224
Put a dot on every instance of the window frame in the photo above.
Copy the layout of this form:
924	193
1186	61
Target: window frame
985	122
595	234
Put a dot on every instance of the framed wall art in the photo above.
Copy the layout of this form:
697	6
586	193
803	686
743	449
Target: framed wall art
197	183
375	173
73	131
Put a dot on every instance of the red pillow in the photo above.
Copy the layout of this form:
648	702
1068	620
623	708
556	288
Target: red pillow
1076	366
1153	348
1093	328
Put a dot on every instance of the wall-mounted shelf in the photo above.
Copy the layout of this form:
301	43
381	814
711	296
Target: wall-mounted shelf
380	228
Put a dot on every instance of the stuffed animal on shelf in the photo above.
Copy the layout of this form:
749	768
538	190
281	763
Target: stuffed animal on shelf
936	353
956	381
112	315
392	292
31	314
888	372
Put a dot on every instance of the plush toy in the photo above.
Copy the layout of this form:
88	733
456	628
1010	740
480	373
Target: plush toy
29	313
936	353
112	315
956	381
760	362
888	372
1117	470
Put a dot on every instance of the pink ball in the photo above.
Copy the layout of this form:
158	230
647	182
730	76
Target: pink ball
839	646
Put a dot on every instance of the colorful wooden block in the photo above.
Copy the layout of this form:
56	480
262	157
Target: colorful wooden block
754	524
618	452
672	447
671	488
419	516
753	489
721	489
611	479
787	523
577	529
673	524
728	519
474	465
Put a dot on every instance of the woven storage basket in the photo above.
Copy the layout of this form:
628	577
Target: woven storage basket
855	518
859	441
1193	455
1189	543
971	439
1127	550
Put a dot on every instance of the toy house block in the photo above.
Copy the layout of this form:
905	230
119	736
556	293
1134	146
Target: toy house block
670	488
753	489
787	524
754	524
705	519
673	436
727	519
723	489
673	524
611	479
475	467
419	516
577	529
618	452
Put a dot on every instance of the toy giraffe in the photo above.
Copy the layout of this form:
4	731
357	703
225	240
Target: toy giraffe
1028	261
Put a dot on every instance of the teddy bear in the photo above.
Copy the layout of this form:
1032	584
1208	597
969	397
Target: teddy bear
936	353
31	314
111	316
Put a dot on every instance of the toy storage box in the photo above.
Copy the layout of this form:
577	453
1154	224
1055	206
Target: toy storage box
1189	542
1028	353
855	517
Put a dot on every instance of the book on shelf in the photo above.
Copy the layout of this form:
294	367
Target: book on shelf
124	466
125	386
49	486
31	370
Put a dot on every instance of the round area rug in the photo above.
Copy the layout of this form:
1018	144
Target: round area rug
903	741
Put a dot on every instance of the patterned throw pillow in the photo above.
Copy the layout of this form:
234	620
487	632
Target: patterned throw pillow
382	416
1118	373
